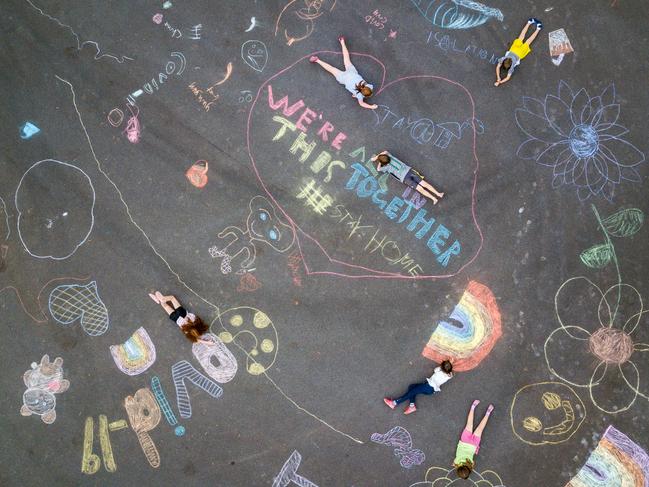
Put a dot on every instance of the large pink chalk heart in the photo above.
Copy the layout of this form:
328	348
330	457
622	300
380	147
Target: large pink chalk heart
310	146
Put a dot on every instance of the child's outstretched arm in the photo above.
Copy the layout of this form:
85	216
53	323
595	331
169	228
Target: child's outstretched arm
365	105
505	79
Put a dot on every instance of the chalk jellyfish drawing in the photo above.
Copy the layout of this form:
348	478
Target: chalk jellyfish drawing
197	174
43	381
472	332
580	138
254	54
70	302
288	474
446	477
298	18
617	461
399	438
53	220
136	354
456	14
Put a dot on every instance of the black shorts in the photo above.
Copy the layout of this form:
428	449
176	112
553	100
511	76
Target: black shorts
413	178
179	312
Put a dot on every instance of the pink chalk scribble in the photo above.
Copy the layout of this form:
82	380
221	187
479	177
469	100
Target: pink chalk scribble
157	18
393	34
133	127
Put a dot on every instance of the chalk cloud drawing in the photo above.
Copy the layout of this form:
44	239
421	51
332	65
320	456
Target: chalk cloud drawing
254	333
182	371
288	474
473	330
136	354
53	220
144	415
456	14
43	381
399	438
546	413
603	349
69	302
213	347
165	407
617	461
446	477
255	54
298	18
580	138
262	225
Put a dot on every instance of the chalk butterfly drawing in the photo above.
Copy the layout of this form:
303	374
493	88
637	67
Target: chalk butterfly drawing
70	302
456	14
399	438
579	137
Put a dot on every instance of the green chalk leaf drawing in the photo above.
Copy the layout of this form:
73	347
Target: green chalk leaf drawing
597	256
624	223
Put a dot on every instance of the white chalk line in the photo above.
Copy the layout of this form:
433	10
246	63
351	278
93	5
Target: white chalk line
79	43
180	280
6	212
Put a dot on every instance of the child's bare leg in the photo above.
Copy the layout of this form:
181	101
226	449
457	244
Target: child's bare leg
420	189
521	36
431	189
329	68
346	59
478	431
532	37
165	305
469	418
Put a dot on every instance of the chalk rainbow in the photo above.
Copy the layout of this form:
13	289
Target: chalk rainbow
473	333
136	354
617	461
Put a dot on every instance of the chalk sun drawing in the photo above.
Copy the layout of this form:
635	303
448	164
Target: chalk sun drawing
617	461
43	381
55	223
579	137
69	302
288	474
399	438
603	350
456	14
446	477
136	354
475	329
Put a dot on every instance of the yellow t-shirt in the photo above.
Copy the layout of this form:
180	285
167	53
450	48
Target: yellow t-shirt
519	48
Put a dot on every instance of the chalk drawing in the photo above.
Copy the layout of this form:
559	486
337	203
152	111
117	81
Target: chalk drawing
80	44
6	214
144	415
580	138
245	96
3	259
167	5
210	347
182	371
377	20
69	302
617	461
115	117
315	198
36	208
165	407
449	43
43	381
299	23
199	93
399	438
288	474
559	46
393	34
546	413
136	354
456	14
90	462
253	24
445	477
27	130
197	174
262	225
248	283
133	128
255	54
180	280
256	333
195	32
295	263
603	350
157	18
158	80
473	329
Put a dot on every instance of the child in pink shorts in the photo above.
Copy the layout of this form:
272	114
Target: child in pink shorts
469	444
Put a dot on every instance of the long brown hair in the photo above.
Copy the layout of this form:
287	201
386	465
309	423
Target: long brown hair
194	329
464	470
366	91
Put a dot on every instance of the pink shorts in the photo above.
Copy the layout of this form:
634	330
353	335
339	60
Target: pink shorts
471	439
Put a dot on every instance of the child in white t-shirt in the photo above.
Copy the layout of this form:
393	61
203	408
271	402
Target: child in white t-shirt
442	374
191	325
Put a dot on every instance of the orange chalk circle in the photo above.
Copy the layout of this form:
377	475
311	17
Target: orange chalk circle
197	174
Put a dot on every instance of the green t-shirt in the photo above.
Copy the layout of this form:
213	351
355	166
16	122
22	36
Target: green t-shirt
463	453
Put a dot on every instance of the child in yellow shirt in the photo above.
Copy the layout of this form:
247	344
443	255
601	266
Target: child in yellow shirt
517	51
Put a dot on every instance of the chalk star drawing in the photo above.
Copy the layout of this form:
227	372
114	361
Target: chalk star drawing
579	137
445	477
314	198
456	14
43	381
475	329
617	461
601	342
288	474
69	302
400	438
136	354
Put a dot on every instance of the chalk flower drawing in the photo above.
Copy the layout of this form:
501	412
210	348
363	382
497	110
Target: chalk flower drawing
579	136
603	351
445	477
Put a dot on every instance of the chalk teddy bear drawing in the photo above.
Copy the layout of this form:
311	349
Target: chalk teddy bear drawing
43	381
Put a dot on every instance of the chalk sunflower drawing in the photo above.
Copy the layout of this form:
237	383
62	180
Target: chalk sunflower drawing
604	345
579	137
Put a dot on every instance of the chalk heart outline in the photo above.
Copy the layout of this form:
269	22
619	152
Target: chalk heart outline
355	271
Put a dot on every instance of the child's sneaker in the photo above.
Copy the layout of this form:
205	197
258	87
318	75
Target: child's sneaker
539	25
389	402
410	409
314	59
531	20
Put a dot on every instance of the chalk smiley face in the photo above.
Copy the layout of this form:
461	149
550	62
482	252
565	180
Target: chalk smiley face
546	413
255	54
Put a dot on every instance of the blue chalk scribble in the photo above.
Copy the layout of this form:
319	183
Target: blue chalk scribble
28	129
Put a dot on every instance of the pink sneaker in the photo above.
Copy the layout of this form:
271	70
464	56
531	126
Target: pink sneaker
389	402
341	39
314	59
410	409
